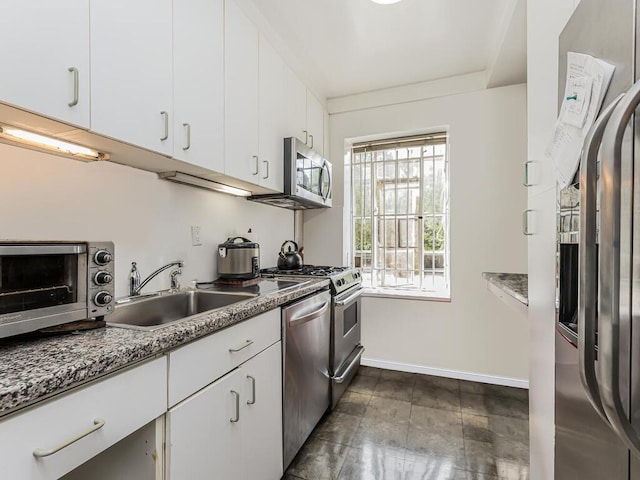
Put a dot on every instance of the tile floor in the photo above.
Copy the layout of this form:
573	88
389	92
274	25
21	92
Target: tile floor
403	426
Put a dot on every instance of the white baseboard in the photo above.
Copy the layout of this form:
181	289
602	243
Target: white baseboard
441	372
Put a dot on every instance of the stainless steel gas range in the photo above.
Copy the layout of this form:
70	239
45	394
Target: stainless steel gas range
345	348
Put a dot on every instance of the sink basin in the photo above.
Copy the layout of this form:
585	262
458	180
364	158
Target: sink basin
151	313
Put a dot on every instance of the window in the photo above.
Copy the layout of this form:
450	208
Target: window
400	214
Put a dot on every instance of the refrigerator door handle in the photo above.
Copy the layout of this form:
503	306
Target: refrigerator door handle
588	261
609	305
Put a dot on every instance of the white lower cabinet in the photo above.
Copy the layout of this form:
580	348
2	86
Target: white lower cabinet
231	429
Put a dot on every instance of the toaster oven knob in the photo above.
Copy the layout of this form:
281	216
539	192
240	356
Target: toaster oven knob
102	298
102	257
102	278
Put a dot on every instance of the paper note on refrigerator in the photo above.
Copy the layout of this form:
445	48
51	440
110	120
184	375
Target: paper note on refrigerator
587	82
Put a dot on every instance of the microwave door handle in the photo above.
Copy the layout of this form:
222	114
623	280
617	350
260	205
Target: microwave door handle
609	305
323	171
588	261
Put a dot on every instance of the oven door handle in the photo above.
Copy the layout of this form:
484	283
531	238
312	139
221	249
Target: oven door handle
309	316
350	298
348	370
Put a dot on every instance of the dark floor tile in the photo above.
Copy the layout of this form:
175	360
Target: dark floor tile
387	410
472	387
318	460
494	390
369	371
473	403
443	422
431	468
508	407
423	444
391	438
510	428
438	382
371	463
477	427
434	397
337	428
394	389
353	403
480	456
288	476
396	376
363	384
512	470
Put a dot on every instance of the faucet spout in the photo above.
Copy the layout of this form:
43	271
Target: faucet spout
137	286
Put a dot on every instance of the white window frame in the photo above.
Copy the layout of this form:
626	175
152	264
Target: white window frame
374	270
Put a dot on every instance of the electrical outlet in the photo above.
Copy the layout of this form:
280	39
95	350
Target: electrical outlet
195	235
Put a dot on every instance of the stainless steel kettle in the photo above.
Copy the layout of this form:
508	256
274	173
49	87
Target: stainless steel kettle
289	258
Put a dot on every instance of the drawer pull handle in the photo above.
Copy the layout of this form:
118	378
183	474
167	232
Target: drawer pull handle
237	417
98	423
241	347
253	390
76	86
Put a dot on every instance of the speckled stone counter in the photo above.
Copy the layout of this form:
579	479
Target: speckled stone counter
32	370
514	284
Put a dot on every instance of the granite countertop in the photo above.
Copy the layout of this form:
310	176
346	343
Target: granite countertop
514	284
35	369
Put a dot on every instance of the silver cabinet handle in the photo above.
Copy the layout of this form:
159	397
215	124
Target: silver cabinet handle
188	136
306	137
309	316
237	417
526	181
525	223
241	347
351	366
98	423
255	157
266	162
76	86
253	390
165	115
609	283
311	137
588	261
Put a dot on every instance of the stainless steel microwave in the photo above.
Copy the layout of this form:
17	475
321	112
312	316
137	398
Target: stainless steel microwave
307	179
43	284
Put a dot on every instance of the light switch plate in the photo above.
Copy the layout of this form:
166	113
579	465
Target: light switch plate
195	236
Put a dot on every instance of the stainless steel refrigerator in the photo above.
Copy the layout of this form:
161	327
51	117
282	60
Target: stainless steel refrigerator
598	324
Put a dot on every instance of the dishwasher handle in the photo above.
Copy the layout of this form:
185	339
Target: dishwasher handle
294	321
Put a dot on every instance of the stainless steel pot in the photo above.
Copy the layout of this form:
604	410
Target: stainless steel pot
238	259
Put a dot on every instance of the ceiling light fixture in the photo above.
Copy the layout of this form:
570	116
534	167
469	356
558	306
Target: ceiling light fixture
49	144
385	2
186	179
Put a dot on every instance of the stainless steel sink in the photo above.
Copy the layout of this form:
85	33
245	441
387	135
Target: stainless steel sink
153	312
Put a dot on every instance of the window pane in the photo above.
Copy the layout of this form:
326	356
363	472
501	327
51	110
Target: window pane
428	150
402	201
403	170
440	149
389	199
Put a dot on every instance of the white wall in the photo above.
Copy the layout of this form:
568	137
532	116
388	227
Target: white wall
46	197
545	21
475	333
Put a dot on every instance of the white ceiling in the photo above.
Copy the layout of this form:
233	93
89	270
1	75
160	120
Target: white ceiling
353	46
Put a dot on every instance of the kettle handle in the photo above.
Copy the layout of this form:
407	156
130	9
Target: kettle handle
295	246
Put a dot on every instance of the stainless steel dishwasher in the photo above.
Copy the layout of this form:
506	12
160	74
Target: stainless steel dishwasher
306	387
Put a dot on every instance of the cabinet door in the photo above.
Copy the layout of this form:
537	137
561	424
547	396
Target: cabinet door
198	61
262	415
131	72
202	439
42	41
295	107
272	100
241	95
315	124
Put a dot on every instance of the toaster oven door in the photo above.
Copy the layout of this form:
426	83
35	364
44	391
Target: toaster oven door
41	285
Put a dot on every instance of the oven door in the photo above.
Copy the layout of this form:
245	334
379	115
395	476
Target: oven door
41	285
345	346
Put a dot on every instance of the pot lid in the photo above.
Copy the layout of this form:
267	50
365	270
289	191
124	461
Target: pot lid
244	243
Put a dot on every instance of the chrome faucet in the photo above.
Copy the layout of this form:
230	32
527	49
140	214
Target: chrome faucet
135	285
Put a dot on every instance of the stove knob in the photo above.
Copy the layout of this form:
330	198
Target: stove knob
102	278
102	257
102	298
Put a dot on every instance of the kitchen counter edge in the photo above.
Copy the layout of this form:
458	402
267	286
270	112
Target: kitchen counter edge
514	284
36	369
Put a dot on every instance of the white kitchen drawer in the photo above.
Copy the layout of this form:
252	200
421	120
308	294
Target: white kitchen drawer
125	401
196	365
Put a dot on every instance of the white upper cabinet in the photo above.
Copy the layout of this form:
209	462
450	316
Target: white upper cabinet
295	108
45	58
131	72
242	104
198	61
315	124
